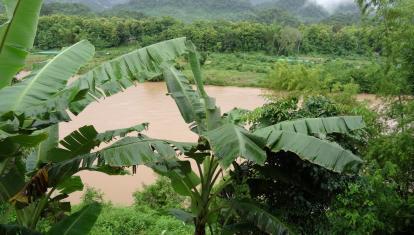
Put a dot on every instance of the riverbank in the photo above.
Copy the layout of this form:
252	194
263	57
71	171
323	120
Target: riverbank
238	79
248	69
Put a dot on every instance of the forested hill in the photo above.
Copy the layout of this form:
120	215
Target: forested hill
291	12
189	10
305	10
97	5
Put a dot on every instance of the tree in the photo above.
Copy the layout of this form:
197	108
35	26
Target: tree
221	142
396	30
289	41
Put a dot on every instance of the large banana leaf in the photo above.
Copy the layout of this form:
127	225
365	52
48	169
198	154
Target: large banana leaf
41	86
24	140
213	113
311	126
132	151
50	143
263	220
188	101
61	171
85	139
230	141
70	185
75	154
326	154
118	74
160	155
183	179
110	135
65	162
17	36
79	223
235	116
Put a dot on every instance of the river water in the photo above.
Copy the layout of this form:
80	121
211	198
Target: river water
147	102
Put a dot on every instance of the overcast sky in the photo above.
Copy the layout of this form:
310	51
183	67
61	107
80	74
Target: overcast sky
331	4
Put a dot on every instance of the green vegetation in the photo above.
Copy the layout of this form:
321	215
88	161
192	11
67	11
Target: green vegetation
190	10
326	77
149	214
269	11
314	161
137	220
58	31
33	167
216	135
65	8
96	5
257	69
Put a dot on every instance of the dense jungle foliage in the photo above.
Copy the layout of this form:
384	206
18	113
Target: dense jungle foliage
270	29
221	36
312	160
59	31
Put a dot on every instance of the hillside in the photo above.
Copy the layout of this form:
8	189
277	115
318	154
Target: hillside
190	10
304	10
96	5
344	14
292	12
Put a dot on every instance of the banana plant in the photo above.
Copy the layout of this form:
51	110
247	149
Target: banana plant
222	141
35	174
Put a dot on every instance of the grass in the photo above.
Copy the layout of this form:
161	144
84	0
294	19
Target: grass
220	69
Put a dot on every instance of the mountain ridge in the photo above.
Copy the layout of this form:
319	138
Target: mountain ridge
305	11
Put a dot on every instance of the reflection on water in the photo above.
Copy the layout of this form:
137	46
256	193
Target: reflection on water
147	102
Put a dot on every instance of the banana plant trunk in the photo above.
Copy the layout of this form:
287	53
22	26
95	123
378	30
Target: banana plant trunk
200	227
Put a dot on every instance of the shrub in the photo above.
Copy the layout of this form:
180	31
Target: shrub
148	216
92	195
296	191
158	196
372	205
295	77
330	76
134	220
398	149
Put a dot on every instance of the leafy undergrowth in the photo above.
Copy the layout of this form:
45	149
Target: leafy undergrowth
149	215
137	220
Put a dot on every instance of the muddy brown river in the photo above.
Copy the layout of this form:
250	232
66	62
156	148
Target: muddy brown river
147	102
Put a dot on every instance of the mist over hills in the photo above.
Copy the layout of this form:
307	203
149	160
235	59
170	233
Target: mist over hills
304	10
93	4
291	11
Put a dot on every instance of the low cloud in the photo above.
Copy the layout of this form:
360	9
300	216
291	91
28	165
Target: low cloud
330	5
